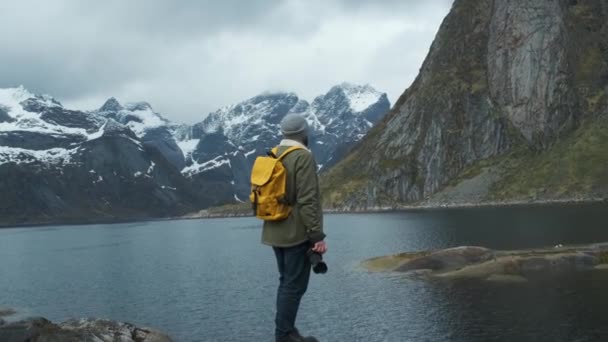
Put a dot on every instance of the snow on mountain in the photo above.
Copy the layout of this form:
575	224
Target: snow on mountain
360	98
61	164
138	116
230	138
151	127
26	156
26	112
127	158
206	166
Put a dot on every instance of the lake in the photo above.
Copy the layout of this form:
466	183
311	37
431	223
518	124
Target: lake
212	280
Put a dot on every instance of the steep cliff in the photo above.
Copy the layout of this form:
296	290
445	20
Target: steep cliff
503	84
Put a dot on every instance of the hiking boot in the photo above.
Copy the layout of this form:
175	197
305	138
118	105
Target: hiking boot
295	336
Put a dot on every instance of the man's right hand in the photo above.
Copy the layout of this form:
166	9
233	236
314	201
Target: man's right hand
320	247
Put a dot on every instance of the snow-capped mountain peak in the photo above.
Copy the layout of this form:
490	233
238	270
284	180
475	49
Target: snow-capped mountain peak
19	102
266	109
22	112
222	147
138	116
360	97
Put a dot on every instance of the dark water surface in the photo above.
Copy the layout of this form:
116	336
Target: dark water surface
211	280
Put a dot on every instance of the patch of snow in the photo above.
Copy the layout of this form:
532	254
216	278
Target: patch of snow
360	97
12	97
188	146
137	174
167	187
148	118
99	133
249	153
136	142
24	156
238	199
151	168
197	167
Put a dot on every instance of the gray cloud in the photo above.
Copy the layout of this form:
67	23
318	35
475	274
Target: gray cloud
189	57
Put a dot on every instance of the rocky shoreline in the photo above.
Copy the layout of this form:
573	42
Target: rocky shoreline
211	214
485	264
460	205
39	329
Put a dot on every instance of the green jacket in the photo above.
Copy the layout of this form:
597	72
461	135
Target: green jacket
305	223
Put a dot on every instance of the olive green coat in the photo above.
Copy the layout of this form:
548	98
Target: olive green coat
305	223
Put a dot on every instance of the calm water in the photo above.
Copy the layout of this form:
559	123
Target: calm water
211	280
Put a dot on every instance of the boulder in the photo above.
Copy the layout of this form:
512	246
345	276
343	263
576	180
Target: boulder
483	263
6	312
42	330
448	259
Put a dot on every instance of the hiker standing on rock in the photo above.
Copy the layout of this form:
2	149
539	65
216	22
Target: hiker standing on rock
285	194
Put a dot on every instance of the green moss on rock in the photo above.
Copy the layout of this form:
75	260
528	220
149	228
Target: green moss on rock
575	166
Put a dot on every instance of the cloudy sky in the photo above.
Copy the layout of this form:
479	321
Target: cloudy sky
189	57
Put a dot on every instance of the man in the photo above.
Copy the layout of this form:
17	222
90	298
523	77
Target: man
293	237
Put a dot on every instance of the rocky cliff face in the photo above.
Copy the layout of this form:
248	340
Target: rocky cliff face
500	76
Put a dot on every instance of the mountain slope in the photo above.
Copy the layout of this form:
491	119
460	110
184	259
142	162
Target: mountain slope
127	161
153	130
221	149
63	165
501	77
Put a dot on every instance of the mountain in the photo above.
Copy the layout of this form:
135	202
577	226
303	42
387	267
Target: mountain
510	104
221	149
152	128
125	161
63	165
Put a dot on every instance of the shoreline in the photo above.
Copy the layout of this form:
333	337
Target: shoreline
342	211
467	205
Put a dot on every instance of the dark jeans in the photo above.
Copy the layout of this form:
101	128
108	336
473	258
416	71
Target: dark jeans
294	273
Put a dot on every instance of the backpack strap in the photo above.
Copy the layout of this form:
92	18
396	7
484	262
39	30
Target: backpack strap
288	151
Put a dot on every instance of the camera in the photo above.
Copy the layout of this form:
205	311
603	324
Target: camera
316	260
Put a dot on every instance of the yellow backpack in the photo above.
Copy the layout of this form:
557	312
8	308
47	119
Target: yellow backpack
268	186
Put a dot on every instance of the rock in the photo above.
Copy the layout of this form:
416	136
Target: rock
448	259
391	262
4	117
483	263
557	263
42	330
499	76
6	312
506	278
24	330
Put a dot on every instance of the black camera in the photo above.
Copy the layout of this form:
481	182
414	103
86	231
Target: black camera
316	260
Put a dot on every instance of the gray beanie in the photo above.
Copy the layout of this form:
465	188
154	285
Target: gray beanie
294	126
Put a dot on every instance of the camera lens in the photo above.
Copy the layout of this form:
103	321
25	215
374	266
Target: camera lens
316	260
